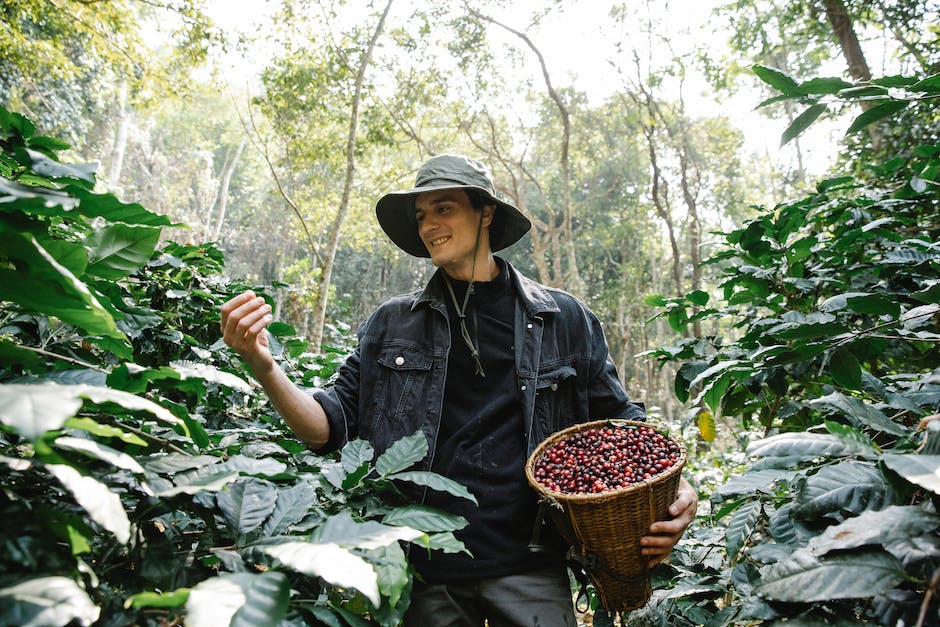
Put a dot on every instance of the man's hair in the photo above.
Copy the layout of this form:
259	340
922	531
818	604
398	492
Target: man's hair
479	198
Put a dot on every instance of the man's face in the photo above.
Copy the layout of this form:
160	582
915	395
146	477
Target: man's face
448	224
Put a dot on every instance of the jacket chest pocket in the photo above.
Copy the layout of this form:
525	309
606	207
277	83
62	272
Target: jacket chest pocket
555	399
405	377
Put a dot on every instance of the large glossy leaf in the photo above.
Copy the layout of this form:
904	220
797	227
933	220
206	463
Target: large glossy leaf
761	481
845	369
43	165
191	483
802	121
355	454
46	601
102	505
208	372
96	450
425	518
435	481
246	504
402	454
847	487
239	600
740	527
291	507
780	81
862	302
118	250
251	466
876	113
107	206
922	470
884	527
40	283
858	411
332	563
33	409
342	530
171	463
391	569
804	578
805	446
89	425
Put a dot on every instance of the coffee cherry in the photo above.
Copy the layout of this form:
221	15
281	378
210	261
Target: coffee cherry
602	459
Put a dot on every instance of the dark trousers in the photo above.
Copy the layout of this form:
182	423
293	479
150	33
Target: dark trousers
540	598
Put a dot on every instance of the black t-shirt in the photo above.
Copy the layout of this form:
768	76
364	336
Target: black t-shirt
481	444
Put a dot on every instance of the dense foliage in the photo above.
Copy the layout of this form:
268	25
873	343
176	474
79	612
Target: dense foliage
144	478
833	361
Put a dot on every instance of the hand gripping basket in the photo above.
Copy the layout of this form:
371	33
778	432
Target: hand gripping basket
604	529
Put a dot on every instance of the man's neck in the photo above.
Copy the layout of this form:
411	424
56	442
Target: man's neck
485	270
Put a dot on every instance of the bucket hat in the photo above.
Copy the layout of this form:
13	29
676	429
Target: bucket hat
396	210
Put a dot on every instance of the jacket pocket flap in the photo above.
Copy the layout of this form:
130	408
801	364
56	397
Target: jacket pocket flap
404	358
551	378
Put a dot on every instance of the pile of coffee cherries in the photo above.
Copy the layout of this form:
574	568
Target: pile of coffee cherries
602	459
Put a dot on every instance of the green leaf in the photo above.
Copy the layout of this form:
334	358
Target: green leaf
655	300
291	507
332	563
239	600
846	487
107	206
858	411
391	569
698	297
45	166
806	446
780	81
34	409
922	470
170	463
355	454
929	84
884	527
434	481
246	504
342	530
92	427
863	303
47	601
96	450
118	250
845	369
874	114
177	598
801	122
250	466
761	481
402	454
208	372
41	284
102	505
447	542
804	578
423	518
824	86
740	527
196	482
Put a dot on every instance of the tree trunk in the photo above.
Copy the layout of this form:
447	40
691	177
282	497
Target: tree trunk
329	256
842	28
119	147
220	206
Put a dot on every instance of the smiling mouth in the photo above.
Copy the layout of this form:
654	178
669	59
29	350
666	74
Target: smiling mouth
437	241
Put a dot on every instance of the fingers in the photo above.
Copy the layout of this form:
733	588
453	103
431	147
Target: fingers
243	319
665	534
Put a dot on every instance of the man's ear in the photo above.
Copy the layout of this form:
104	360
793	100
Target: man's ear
488	212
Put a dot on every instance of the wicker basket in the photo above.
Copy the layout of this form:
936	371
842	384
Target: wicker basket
604	529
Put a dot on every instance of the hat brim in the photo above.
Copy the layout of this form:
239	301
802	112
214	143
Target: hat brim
395	212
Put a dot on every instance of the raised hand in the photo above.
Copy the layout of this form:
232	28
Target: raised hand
244	319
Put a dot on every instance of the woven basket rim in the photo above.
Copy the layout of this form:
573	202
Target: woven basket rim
599	497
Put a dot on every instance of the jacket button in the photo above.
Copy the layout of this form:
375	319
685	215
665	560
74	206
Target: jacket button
554	387
523	388
529	326
399	361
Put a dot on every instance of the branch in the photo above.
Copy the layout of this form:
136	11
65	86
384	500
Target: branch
71	360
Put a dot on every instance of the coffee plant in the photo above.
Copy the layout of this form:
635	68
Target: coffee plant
146	480
830	353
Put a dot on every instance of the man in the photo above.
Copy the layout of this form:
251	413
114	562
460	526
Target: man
487	363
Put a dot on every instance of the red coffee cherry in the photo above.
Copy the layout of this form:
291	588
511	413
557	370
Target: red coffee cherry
602	459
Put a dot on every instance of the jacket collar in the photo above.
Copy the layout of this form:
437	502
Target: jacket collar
534	297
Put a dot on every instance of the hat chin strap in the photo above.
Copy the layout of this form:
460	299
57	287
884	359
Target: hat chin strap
462	310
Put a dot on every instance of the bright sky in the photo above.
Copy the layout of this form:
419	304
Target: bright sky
578	42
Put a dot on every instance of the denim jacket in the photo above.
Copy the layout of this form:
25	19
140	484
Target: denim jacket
393	383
